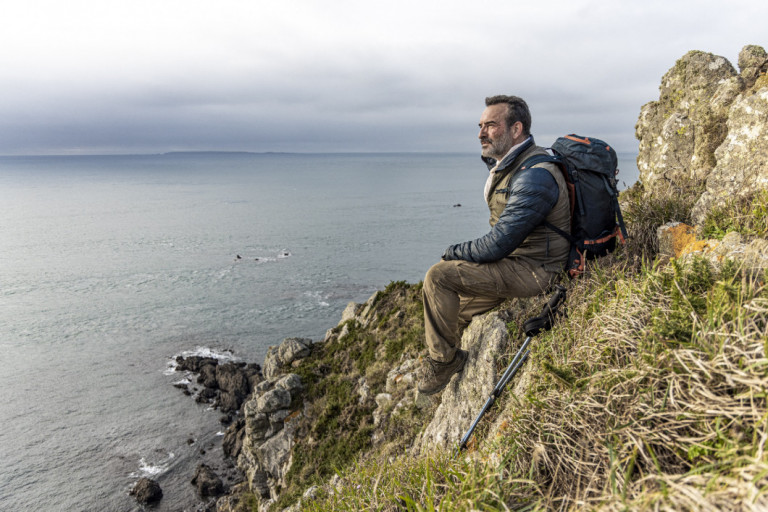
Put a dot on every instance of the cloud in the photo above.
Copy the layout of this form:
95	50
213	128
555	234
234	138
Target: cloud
338	76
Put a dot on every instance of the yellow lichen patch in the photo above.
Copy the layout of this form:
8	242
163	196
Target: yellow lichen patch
761	82
680	237
699	247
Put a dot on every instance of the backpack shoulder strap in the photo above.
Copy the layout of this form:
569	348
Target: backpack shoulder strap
563	166
539	159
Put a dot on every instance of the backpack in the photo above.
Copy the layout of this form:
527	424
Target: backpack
589	167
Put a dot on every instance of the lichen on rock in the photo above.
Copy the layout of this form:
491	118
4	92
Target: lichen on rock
742	158
679	132
708	129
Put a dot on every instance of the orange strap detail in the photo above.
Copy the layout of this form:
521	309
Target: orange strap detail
585	140
579	268
616	233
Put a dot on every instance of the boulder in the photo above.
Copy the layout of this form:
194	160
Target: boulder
229	402
232	378
753	62
742	158
349	312
207	376
708	129
193	363
487	342
402	377
363	390
290	382
284	354
206	395
263	386
383	406
677	240
679	133
207	482
256	423
147	491
274	457
673	238
273	400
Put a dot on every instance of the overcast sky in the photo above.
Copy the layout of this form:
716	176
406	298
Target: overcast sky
106	76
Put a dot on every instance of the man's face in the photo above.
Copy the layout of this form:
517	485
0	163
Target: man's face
496	138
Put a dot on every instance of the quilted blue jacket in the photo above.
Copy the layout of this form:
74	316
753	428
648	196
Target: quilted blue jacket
533	193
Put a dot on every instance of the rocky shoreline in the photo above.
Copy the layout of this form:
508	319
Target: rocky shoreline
224	387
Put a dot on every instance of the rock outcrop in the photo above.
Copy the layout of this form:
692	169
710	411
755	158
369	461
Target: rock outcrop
742	158
679	133
207	482
225	386
147	491
284	354
487	341
268	429
708	128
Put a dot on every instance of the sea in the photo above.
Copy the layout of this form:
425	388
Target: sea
111	266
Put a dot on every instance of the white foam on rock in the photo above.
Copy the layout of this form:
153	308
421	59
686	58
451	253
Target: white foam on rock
223	356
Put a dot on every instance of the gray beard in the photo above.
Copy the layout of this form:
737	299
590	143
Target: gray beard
498	148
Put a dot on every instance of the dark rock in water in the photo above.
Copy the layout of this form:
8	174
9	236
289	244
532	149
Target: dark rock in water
207	482
229	402
206	396
182	386
147	491
193	363
231	377
207	376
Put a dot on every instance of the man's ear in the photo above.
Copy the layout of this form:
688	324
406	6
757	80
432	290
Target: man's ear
517	130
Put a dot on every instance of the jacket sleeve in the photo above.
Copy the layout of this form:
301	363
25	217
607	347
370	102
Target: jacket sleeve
533	195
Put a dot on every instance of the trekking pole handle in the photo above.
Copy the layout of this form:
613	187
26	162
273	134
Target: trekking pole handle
543	322
550	308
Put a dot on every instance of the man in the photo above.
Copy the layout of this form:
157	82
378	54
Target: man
518	257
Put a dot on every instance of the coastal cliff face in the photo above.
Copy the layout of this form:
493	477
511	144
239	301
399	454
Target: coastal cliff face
650	394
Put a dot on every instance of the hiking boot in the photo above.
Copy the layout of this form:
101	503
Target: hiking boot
437	375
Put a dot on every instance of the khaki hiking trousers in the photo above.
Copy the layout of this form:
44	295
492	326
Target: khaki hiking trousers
454	291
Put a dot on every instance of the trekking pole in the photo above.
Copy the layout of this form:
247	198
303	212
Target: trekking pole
532	326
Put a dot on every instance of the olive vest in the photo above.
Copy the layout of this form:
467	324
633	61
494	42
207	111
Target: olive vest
542	246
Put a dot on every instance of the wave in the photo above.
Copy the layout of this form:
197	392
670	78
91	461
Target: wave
223	356
153	469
